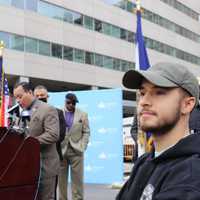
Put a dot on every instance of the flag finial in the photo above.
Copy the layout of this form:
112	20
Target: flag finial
138	5
2	46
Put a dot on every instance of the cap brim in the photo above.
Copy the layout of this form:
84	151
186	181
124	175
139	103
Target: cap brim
132	79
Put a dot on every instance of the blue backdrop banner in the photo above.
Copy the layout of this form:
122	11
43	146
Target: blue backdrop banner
104	155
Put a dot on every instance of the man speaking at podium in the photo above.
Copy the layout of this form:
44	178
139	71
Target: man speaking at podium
44	126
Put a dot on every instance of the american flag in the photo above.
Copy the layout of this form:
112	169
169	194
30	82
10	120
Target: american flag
4	97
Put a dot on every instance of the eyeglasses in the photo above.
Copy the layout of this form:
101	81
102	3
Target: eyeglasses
71	102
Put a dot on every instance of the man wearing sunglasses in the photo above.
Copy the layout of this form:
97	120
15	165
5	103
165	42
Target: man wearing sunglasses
73	147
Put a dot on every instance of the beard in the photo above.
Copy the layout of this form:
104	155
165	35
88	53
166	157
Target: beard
163	126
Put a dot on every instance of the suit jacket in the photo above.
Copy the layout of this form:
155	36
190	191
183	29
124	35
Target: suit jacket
78	135
44	125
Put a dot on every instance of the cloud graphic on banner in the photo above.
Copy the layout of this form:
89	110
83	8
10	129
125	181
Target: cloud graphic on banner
95	118
95	143
102	156
102	130
101	105
88	168
106	130
106	105
112	155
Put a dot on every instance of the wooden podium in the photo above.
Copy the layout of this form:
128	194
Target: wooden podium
19	166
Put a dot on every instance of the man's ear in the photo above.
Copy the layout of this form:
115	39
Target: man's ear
188	104
30	92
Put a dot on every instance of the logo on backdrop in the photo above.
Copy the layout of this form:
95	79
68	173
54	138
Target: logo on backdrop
105	149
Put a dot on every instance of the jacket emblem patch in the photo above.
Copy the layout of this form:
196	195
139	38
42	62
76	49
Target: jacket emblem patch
148	192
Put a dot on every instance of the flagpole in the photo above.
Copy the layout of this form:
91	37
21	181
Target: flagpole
2	85
2	46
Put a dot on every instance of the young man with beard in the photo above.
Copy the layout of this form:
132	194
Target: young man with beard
168	94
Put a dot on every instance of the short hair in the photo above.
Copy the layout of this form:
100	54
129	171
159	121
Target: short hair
39	87
71	97
25	85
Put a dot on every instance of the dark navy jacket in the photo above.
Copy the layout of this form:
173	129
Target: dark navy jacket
174	175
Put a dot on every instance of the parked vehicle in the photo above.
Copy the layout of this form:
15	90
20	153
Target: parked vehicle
128	141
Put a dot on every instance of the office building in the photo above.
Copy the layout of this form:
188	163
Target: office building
89	44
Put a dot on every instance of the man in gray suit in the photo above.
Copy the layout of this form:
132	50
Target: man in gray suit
44	126
73	147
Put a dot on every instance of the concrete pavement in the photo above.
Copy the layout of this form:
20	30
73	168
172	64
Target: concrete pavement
97	192
102	191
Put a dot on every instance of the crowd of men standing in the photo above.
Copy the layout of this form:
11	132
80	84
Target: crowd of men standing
63	136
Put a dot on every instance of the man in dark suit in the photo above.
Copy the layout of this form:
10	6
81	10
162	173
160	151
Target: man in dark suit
44	126
73	147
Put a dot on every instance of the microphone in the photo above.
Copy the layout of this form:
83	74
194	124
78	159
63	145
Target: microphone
14	110
25	117
14	113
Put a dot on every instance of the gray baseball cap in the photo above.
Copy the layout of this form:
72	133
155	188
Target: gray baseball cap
164	75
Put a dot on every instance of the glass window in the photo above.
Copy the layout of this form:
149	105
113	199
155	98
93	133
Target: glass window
31	5
50	10
89	58
149	43
179	54
124	65
18	3
58	13
77	18
98	60
5	38
131	37
98	26
88	22
173	51
5	2
111	2
131	65
68	53
31	45
130	6
108	62
68	16
56	50
45	9
121	4
116	64
115	31
123	34
79	56
106	28
44	48
17	42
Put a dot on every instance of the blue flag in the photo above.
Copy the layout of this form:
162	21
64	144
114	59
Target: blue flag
142	63
141	59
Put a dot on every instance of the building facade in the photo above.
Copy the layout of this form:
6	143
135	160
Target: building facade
89	44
